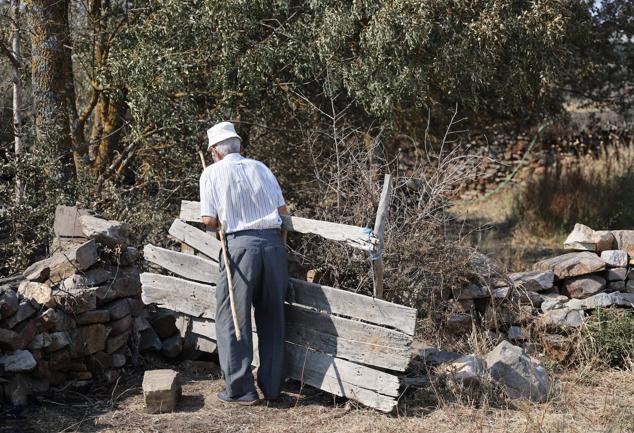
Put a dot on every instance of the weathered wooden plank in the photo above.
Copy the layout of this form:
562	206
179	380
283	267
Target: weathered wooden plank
390	358
183	296
349	339
186	265
354	236
205	242
337	301
343	378
337	376
379	229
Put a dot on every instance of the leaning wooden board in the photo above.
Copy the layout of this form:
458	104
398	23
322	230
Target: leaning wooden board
343	337
354	236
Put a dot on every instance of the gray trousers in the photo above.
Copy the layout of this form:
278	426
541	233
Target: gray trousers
259	265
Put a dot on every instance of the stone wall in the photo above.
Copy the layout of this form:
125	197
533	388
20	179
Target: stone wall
71	317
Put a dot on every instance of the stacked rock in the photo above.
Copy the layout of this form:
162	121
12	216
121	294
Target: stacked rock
558	292
72	315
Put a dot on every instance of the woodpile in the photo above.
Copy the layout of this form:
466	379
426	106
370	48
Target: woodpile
341	342
72	316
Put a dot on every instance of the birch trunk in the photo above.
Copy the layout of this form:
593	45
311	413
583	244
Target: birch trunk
17	96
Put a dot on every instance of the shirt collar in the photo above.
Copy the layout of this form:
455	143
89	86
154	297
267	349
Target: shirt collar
233	157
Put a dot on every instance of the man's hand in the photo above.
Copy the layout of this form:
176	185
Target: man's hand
283	210
211	222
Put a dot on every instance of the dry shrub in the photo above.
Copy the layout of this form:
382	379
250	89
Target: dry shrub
426	253
596	190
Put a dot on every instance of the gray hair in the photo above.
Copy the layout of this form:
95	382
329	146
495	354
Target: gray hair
230	145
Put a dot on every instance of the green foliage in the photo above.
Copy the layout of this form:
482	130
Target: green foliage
612	334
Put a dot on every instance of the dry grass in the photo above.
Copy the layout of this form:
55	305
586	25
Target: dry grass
584	401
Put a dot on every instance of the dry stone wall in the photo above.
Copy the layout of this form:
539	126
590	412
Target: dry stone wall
72	317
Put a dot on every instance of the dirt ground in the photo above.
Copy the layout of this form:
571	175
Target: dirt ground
582	402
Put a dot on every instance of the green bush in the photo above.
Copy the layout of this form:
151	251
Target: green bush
611	333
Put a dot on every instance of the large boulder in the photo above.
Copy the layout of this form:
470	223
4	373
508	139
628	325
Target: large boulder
571	264
583	238
517	373
584	286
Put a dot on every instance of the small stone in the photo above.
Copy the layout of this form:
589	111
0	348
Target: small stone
115	343
459	323
519	375
149	341
89	339
20	360
164	323
472	291
99	362
41	341
571	264
467	370
516	333
9	304
111	233
59	340
141	324
172	346
66	222
535	281
38	292
563	317
615	258
615	286
161	390
118	360
118	309
56	320
81	375
8	339
25	310
615	274
582	287
94	316
63	264
76	301
120	326
136	306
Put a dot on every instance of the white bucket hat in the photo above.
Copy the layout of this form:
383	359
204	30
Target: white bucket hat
221	131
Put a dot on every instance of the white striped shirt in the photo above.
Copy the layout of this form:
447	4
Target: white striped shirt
242	193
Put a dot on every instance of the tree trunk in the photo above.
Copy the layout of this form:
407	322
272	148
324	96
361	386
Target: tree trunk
52	82
17	97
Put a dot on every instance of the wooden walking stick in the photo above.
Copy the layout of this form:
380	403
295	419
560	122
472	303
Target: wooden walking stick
225	256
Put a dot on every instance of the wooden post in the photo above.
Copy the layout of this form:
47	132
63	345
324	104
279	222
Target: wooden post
379	229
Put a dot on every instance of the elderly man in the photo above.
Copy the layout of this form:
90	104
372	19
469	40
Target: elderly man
243	198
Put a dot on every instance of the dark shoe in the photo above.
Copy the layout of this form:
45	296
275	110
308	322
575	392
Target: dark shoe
245	400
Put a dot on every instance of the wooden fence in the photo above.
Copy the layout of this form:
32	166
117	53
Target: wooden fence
341	342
